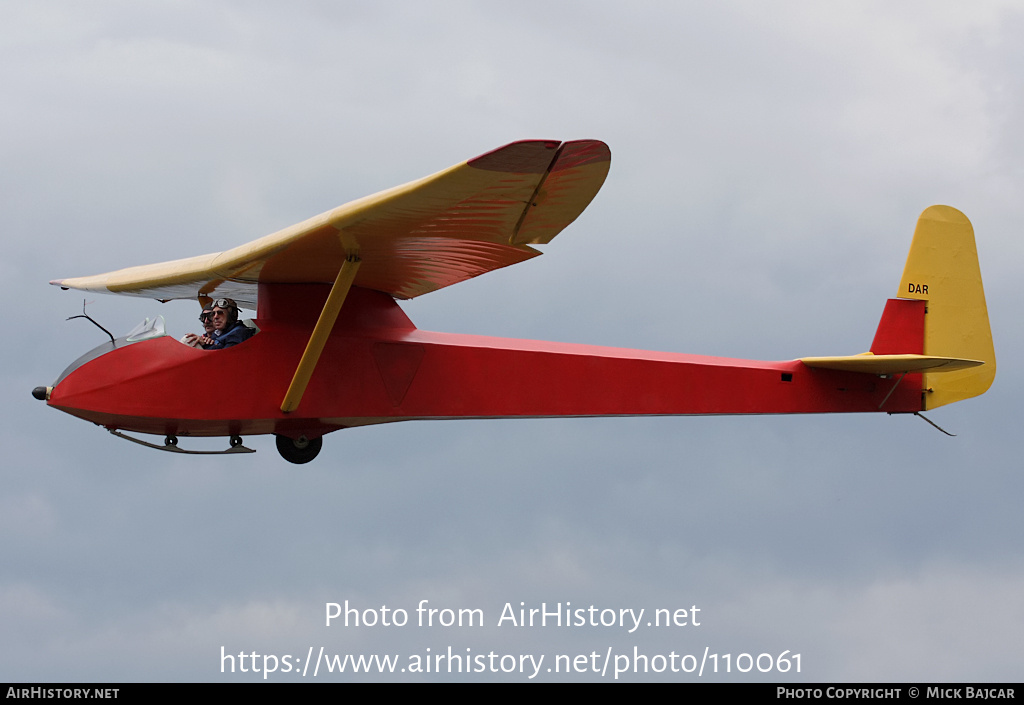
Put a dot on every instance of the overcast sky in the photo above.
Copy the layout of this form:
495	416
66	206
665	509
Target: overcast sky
769	162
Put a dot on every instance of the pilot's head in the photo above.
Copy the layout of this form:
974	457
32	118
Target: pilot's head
225	314
206	318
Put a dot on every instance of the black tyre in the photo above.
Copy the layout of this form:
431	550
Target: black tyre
300	450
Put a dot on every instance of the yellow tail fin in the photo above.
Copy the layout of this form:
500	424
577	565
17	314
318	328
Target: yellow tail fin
942	269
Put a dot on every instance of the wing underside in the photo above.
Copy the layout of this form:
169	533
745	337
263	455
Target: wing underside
472	218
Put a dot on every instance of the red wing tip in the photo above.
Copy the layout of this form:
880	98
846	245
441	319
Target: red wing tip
523	157
582	152
535	156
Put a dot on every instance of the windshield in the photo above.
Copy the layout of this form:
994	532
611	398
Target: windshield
146	330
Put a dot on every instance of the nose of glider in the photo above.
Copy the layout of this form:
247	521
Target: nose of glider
42	393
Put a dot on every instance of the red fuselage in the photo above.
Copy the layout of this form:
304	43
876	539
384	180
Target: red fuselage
377	367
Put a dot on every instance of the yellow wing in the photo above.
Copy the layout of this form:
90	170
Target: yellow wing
474	217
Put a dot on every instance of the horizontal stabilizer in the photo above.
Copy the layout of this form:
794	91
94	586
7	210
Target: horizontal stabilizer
890	364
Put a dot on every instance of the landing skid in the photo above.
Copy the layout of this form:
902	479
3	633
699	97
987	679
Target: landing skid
171	445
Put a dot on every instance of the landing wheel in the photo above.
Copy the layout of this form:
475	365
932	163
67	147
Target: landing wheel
171	441
236	441
299	450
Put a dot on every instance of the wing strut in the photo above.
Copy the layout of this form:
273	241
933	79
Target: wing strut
317	340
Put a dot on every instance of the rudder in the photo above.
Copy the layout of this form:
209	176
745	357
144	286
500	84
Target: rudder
942	269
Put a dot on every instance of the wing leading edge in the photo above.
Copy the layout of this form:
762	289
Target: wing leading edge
474	217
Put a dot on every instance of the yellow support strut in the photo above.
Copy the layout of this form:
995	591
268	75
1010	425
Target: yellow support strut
324	325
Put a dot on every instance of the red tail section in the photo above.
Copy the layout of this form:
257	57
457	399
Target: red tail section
901	330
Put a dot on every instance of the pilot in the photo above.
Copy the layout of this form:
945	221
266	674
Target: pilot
227	329
206	318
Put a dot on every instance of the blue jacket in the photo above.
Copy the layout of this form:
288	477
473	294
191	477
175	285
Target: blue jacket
238	333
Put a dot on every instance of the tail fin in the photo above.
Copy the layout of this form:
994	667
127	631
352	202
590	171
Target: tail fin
942	270
938	326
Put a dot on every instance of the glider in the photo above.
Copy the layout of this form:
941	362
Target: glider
334	350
